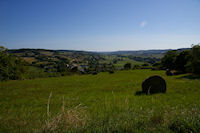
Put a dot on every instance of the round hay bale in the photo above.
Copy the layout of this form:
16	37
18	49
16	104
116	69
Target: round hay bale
168	72
111	71
154	84
94	73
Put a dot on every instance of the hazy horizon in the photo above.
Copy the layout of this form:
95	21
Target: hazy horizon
100	51
100	25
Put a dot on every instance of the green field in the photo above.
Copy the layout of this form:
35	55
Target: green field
99	103
120	63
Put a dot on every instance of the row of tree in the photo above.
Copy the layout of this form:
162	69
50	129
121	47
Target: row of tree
10	67
185	61
128	66
13	68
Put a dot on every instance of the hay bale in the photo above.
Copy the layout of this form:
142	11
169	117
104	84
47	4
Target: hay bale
154	84
176	72
111	71
94	73
168	72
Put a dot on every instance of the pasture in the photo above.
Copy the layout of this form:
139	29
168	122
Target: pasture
100	103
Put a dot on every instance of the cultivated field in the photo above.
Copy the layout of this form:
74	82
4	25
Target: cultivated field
100	103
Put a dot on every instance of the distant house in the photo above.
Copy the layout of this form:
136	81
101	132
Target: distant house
80	68
84	66
73	67
119	68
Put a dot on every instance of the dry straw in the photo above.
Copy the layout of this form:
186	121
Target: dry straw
74	117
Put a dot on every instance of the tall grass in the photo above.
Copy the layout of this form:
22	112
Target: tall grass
99	103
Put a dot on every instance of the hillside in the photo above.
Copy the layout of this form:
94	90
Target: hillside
144	53
83	57
44	62
99	103
32	55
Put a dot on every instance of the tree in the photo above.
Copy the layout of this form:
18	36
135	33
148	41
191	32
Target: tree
185	61
127	66
145	64
196	59
10	66
168	61
181	60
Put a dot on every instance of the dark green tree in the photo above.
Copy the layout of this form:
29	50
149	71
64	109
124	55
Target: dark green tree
182	59
10	66
196	59
168	61
127	66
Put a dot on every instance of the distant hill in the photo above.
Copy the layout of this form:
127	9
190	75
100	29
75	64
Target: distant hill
131	52
63	62
144	53
45	56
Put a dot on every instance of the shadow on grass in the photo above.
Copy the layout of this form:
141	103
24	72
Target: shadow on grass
190	76
138	93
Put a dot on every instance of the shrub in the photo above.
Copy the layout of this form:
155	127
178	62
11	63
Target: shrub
10	66
145	64
136	67
127	66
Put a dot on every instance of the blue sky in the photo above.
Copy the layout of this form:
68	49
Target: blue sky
99	25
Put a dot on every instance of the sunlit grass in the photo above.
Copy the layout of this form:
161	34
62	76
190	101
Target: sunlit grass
102	103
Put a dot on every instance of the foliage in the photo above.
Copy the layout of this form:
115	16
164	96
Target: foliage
127	66
136	67
150	60
185	61
168	61
10	66
196	59
181	60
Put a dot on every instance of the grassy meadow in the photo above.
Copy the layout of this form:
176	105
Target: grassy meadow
100	103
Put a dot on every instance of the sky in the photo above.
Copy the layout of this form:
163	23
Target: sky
99	25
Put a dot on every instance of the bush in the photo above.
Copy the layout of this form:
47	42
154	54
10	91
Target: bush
156	66
10	66
127	66
136	67
145	64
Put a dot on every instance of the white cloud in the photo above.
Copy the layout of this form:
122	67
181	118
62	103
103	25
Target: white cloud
143	24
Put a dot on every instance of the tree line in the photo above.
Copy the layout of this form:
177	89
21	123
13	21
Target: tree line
14	68
187	61
11	68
